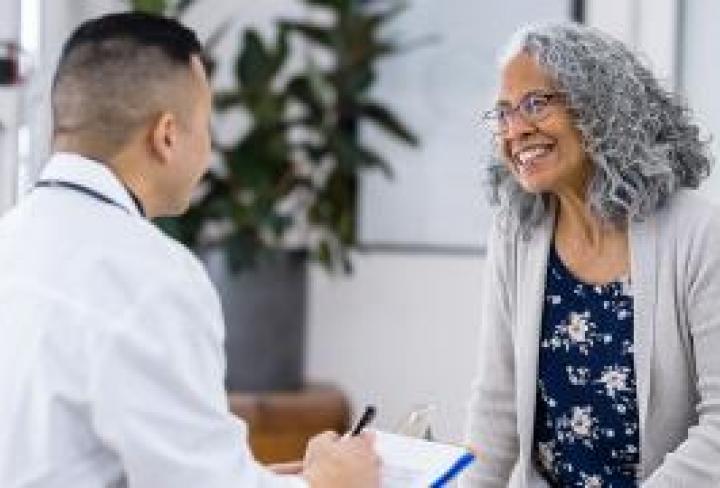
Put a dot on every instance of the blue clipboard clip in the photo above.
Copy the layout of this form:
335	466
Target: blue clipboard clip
456	468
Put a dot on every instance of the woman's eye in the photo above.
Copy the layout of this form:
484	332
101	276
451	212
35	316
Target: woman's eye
503	113
536	104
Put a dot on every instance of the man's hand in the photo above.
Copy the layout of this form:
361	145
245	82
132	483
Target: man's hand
351	462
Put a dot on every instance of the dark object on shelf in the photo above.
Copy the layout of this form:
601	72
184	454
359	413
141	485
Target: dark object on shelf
9	64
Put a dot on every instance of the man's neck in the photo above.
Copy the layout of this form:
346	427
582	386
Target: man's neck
136	184
123	167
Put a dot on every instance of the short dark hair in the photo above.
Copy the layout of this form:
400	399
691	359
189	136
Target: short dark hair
118	70
175	40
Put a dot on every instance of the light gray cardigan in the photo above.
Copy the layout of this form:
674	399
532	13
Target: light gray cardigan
675	272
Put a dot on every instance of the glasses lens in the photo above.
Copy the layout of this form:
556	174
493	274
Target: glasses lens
534	107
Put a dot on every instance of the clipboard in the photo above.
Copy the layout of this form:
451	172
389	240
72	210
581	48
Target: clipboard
408	462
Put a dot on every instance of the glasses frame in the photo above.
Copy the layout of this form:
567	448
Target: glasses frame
501	124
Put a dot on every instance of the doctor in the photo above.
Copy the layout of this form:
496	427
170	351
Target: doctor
111	363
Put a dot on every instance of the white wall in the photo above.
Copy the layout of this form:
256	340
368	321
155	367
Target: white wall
648	26
701	76
400	332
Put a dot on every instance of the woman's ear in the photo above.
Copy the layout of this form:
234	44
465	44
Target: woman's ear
163	137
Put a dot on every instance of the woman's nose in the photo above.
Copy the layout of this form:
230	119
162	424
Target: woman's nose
517	126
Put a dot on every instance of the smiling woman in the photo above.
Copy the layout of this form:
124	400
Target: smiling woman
603	272
542	145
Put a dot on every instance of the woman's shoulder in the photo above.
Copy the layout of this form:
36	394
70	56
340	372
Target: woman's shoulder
690	206
690	216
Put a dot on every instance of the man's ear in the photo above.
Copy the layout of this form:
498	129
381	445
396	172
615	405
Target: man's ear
163	137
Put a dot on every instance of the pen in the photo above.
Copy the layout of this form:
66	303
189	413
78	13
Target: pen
364	420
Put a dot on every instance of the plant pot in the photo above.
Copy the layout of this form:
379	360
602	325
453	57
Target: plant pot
265	319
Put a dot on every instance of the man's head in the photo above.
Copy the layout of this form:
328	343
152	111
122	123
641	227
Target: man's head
131	90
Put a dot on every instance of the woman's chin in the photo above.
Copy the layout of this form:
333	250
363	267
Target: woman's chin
535	185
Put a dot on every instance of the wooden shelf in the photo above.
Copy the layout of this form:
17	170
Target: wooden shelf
281	423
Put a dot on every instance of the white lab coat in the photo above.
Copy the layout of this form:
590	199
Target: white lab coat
111	358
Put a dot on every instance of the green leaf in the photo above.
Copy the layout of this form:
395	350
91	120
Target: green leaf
360	80
322	35
149	6
278	223
371	159
352	156
281	47
241	250
376	20
337	5
228	99
182	6
388	121
301	89
217	34
255	66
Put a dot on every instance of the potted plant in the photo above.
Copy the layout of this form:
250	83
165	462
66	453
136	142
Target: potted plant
285	190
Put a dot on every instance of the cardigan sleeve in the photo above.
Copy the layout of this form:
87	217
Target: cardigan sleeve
492	427
695	461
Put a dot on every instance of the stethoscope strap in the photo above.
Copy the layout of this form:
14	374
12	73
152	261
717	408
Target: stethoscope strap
69	185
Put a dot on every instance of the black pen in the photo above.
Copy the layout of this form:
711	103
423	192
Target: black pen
364	420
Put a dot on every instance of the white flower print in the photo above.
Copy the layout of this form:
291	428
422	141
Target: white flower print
578	326
577	376
592	481
615	379
547	454
581	421
578	331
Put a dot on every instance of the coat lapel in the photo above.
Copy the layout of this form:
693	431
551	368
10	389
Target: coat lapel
532	258
643	269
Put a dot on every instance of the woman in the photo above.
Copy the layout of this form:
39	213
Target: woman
600	356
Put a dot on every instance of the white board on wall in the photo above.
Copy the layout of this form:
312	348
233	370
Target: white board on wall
436	198
700	76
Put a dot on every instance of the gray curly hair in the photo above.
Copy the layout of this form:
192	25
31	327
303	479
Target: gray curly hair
639	136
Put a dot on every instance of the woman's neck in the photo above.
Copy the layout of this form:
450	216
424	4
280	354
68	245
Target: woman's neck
577	221
594	250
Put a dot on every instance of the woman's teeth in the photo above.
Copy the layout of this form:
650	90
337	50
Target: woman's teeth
527	156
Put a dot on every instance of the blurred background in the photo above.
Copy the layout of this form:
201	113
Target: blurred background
344	218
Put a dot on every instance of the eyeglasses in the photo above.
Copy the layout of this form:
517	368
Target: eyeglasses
533	108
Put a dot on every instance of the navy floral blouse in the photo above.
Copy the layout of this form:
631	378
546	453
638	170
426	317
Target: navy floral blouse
586	418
